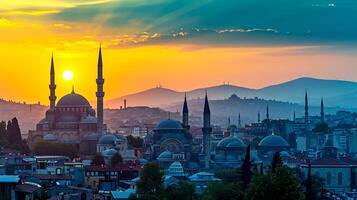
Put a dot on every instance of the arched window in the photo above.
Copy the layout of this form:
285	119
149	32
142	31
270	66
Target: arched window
339	178
328	178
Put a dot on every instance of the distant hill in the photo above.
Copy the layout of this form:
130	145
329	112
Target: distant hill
291	91
27	114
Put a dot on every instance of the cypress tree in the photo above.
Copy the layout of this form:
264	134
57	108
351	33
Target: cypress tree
3	131
247	173
9	132
309	190
16	131
277	162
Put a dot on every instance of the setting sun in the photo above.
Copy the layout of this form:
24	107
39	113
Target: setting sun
67	75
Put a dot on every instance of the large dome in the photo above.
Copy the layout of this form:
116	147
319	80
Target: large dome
165	156
168	124
107	139
273	141
73	100
231	142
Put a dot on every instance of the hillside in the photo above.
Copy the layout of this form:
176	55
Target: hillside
291	91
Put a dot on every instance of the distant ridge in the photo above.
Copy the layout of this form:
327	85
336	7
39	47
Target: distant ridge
291	91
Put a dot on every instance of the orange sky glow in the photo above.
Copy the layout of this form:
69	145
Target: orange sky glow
28	38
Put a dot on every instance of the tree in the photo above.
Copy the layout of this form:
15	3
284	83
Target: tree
309	191
283	184
229	175
3	131
13	132
184	191
223	191
116	159
44	148
247	173
150	187
277	162
98	160
136	142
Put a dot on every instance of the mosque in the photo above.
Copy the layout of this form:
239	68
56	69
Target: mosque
72	120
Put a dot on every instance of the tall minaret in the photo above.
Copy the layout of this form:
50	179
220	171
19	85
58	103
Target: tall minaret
306	108
229	121
322	113
258	116
267	113
185	114
206	130
294	118
100	93
239	121
52	86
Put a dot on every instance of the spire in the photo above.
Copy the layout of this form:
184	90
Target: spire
206	130
322	113
229	121
239	121
258	116
52	85
267	112
185	113
306	108
100	93
294	116
206	108
73	89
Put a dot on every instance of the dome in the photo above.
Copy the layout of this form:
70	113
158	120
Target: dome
176	169
165	156
231	142
73	100
50	137
92	136
169	124
107	139
109	152
273	141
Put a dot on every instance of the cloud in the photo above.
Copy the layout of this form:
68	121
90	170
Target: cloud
28	12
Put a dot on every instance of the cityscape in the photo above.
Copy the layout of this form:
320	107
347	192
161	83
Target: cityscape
160	100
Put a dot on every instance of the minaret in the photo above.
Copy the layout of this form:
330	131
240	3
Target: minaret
267	113
100	93
306	108
185	114
206	130
294	116
239	121
229	121
52	86
322	113
258	116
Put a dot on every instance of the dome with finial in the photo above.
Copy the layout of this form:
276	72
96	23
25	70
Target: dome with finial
169	124
272	141
73	100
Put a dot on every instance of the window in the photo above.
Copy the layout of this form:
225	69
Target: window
339	179
328	178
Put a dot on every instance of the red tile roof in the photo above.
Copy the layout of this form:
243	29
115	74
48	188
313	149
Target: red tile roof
121	167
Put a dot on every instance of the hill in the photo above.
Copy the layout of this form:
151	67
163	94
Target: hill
291	91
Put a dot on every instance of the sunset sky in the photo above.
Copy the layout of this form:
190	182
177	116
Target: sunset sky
182	44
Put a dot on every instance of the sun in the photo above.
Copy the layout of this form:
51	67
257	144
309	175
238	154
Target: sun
67	75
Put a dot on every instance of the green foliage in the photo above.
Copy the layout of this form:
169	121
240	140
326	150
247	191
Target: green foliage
184	191
281	185
98	159
150	185
223	191
52	148
116	159
3	131
246	172
13	132
230	175
136	142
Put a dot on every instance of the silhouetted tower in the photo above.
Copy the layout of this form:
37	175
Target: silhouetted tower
100	93
124	103
322	113
258	116
239	121
52	86
229	121
185	114
294	118
267	113
306	108
206	130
